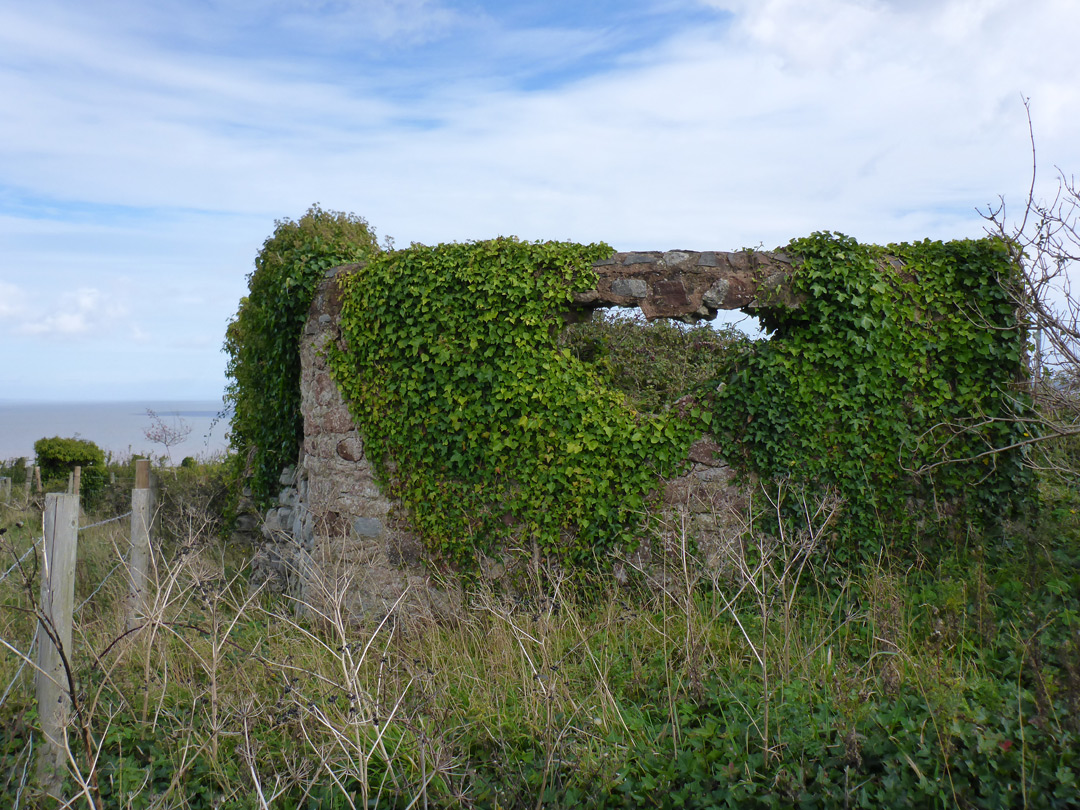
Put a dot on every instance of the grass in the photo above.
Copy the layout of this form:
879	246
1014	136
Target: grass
949	678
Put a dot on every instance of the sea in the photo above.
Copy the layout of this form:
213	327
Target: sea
118	428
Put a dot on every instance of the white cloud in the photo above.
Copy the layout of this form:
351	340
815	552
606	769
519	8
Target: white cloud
79	313
148	147
12	302
829	103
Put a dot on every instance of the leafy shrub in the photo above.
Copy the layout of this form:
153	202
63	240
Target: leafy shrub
262	340
57	457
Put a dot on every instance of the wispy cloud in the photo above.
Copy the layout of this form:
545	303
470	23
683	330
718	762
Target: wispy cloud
79	313
12	302
148	147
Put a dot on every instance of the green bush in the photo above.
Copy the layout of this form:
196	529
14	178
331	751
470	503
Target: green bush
15	469
57	457
262	340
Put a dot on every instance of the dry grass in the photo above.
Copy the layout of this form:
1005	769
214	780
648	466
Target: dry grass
223	697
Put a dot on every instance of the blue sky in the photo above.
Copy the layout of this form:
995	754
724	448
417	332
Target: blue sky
146	149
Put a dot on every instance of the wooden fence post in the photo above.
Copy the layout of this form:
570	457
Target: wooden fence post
5	488
57	602
37	479
139	559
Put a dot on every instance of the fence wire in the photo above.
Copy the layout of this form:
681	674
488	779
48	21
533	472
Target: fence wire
22	781
101	584
18	562
103	522
22	666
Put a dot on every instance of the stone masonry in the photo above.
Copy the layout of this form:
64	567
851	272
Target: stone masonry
688	285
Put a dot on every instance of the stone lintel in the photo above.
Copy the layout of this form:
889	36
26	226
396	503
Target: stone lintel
690	285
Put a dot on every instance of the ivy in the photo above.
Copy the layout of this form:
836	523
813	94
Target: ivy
899	358
262	341
654	364
486	429
897	381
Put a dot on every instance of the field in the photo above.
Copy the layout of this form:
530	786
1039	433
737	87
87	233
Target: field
942	675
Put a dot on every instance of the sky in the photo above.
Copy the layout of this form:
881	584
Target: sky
147	149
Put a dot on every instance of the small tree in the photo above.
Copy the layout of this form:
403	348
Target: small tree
1046	244
166	434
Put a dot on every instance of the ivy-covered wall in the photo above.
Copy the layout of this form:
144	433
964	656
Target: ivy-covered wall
476	420
890	376
899	382
262	340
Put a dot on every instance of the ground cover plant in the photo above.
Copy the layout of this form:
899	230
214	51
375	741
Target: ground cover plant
775	680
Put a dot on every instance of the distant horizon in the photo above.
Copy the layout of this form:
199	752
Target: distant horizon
107	401
116	426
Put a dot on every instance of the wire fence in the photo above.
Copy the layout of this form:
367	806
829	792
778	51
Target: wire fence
104	522
19	561
25	658
38	541
51	646
115	568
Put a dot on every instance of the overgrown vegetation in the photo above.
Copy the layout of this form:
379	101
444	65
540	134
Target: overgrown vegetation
772	681
653	364
901	379
775	674
897	381
15	469
478	421
262	340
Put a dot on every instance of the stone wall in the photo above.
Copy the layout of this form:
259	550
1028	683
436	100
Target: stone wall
337	542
